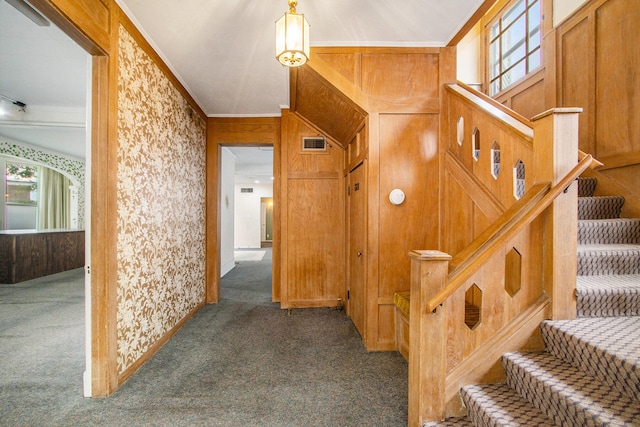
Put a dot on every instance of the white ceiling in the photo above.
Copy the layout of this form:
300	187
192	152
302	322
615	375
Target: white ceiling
224	51
221	51
46	70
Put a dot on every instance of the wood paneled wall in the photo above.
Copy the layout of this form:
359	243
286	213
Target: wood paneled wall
25	256
400	90
597	65
312	204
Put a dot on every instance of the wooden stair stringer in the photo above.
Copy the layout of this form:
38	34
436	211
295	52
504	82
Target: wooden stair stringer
484	365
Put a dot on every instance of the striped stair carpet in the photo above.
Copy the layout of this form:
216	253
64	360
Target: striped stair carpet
589	374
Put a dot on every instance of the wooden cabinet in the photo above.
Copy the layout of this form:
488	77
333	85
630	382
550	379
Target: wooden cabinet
26	255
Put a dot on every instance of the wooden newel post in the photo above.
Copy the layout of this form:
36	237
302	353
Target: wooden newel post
427	338
555	148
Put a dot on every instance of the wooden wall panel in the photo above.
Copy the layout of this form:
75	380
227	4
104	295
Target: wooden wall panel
458	221
314	246
347	64
575	77
597	60
27	256
530	102
408	161
400	75
399	91
313	220
617	78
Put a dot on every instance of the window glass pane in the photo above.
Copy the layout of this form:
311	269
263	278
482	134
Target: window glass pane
534	26
495	30
514	74
534	61
515	55
534	40
513	46
495	87
21	184
513	13
494	59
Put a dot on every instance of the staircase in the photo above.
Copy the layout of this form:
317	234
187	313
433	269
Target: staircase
589	374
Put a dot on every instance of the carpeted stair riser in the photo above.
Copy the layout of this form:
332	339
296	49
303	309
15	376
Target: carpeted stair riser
586	186
608	231
492	405
605	348
598	260
567	395
608	296
600	207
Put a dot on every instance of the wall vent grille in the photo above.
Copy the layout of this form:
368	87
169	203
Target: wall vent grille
246	190
314	144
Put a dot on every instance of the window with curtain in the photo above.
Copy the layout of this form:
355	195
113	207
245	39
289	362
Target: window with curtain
514	40
54	202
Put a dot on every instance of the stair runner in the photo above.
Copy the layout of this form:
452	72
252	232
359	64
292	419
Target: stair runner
589	374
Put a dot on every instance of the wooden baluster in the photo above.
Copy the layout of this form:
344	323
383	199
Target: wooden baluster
427	338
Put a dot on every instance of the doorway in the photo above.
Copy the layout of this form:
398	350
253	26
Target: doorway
246	205
49	78
266	222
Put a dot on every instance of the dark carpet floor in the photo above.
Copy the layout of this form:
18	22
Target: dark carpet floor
241	362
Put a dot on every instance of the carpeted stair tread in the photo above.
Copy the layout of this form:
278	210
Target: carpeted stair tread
595	260
608	295
600	207
586	186
567	395
605	348
450	422
491	405
606	231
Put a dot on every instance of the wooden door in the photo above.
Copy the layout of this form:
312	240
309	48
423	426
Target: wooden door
356	256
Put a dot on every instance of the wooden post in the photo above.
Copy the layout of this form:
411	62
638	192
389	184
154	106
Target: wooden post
427	338
555	148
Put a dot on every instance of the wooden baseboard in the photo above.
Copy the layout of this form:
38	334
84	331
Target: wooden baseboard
124	376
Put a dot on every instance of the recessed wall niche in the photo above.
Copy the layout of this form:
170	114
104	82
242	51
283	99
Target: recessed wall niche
475	143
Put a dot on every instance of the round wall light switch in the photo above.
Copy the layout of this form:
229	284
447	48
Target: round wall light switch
396	197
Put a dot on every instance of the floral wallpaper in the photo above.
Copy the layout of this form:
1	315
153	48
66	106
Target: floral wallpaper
161	204
73	169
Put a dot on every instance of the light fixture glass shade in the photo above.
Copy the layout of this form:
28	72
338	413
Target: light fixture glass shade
292	39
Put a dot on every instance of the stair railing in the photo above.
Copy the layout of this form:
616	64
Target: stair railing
489	297
502	231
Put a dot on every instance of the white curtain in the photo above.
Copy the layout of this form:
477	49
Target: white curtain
54	200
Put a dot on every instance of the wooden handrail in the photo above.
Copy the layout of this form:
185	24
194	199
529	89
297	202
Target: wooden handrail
511	222
502	114
486	98
595	163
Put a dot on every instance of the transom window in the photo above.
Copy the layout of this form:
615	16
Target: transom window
514	44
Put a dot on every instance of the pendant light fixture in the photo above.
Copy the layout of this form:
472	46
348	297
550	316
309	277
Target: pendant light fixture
292	37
